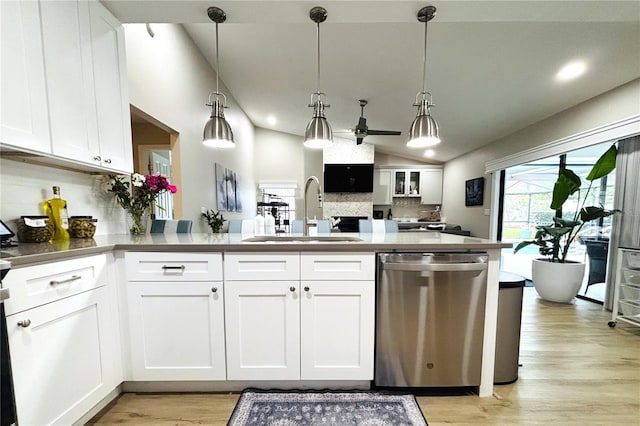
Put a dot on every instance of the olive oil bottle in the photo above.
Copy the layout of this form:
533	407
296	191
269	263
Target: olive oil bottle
56	209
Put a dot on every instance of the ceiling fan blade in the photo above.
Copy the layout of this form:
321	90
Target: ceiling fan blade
384	132
359	141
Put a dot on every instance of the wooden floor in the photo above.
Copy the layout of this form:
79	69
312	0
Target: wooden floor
576	370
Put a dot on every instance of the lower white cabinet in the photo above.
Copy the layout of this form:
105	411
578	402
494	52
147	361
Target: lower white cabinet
303	329
176	316
263	330
65	357
177	330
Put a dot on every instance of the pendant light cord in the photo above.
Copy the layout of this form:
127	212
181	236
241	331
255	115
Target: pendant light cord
424	68
318	43
217	61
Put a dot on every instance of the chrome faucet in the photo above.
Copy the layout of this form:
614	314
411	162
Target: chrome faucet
305	223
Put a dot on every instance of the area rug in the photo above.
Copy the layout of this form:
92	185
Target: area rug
330	408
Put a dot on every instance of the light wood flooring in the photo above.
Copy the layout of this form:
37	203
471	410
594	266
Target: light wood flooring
576	370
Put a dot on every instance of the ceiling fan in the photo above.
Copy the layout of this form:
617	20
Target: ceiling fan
361	131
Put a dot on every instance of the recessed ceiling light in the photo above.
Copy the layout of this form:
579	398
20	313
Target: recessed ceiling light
429	153
272	120
571	70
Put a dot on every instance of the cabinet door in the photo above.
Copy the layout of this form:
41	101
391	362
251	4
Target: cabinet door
111	94
263	330
337	330
382	184
431	186
399	183
177	330
67	57
24	122
60	359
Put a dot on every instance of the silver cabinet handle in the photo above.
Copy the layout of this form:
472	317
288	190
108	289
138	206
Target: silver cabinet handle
166	267
214	290
306	289
292	289
97	158
444	267
108	161
24	323
68	280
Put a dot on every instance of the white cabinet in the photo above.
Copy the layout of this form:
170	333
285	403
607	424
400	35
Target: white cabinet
65	354
337	316
406	183
431	185
64	91
176	314
23	108
111	90
382	184
314	320
627	288
263	330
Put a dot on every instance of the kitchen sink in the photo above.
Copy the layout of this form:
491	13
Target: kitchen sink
300	239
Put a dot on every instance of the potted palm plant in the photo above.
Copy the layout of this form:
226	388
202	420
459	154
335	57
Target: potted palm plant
555	278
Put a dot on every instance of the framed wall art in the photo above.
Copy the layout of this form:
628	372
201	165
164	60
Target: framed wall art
474	192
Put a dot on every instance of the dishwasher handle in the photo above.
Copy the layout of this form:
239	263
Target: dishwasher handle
435	267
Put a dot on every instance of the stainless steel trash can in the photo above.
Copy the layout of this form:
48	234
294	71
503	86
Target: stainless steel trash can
508	328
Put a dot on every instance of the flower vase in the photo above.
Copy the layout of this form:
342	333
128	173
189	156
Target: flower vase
137	223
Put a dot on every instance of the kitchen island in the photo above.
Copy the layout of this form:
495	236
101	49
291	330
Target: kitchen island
175	334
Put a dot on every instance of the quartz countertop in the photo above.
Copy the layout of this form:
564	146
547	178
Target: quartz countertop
28	253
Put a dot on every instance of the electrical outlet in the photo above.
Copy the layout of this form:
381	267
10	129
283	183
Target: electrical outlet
487	212
203	209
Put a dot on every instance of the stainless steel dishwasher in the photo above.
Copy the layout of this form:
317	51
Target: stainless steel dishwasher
430	319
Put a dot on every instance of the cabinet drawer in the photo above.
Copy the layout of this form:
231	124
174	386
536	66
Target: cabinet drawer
146	266
39	284
261	267
337	266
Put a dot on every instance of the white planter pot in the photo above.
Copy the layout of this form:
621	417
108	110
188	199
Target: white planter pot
557	282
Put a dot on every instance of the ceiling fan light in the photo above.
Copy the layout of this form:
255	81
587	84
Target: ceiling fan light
217	132
423	132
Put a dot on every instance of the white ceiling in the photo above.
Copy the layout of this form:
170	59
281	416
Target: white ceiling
491	64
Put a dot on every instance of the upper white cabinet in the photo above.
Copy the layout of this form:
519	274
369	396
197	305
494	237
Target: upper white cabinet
111	90
431	184
64	92
23	109
382	184
406	183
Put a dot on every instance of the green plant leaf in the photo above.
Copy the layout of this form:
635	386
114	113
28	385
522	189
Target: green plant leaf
522	245
605	164
565	223
567	184
592	213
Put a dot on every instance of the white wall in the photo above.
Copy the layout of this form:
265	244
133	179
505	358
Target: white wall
170	80
619	103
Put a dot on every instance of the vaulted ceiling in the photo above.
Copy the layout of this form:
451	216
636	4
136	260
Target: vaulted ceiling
491	65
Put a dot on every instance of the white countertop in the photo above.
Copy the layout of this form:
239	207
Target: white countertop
26	253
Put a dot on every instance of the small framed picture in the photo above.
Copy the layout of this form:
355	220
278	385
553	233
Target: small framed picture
474	192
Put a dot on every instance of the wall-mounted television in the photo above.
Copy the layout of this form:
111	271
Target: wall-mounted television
348	178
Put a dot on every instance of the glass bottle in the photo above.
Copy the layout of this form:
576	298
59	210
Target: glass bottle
56	209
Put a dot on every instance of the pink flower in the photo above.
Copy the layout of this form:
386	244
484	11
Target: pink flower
173	189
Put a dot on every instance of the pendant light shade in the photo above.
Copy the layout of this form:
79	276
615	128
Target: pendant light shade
424	129
318	133
217	132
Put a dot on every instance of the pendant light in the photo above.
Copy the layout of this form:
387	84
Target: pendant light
318	133
424	129
217	132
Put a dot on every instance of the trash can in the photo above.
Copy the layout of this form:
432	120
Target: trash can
508	328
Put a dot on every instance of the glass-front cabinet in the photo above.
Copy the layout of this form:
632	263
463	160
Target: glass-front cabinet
406	183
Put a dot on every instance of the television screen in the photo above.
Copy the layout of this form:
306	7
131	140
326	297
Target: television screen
348	177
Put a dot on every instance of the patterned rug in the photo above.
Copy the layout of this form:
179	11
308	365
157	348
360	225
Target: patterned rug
361	408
